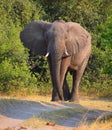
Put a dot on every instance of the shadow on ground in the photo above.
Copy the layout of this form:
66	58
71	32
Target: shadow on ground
13	112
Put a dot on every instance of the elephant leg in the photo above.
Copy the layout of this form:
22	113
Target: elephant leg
77	75
63	75
55	96
66	91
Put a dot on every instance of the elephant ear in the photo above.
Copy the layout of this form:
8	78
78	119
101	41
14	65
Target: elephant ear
77	37
33	37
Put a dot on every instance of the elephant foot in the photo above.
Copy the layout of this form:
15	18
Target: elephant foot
55	98
58	101
67	98
75	100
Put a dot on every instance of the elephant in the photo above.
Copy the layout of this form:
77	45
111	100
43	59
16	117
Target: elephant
67	47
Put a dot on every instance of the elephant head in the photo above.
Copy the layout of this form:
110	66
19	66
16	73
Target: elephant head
48	39
60	42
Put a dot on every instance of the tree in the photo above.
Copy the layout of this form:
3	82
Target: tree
89	13
106	33
19	11
14	69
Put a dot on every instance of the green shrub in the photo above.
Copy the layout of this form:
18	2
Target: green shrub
40	68
19	11
105	34
88	13
14	71
15	74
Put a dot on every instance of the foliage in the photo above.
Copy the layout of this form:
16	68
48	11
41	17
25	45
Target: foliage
14	66
14	71
89	13
19	11
39	67
19	72
105	36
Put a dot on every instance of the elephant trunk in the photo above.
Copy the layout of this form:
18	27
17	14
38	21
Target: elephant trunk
56	66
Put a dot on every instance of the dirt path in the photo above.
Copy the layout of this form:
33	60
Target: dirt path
14	112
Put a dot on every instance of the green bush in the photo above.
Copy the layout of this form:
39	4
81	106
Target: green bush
19	11
106	33
14	71
40	68
15	74
88	13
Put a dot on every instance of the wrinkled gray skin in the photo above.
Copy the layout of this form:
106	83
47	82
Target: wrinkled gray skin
67	46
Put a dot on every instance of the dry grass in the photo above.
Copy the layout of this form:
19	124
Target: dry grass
96	126
37	123
37	98
98	103
34	123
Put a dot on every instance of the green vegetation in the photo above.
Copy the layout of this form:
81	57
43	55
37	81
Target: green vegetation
15	64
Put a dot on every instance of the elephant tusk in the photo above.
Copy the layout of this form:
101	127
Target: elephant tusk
47	54
66	53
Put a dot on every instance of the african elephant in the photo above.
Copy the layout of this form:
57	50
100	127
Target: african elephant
67	47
